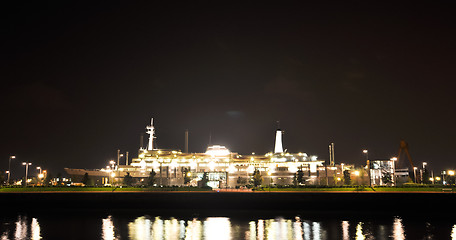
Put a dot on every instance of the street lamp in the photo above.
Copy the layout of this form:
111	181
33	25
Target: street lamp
393	162
9	167
26	164
414	172
451	178
365	151
40	175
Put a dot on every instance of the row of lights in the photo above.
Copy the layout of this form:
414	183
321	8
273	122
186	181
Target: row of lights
26	164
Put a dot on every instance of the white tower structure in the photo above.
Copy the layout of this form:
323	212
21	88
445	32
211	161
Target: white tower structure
278	141
151	132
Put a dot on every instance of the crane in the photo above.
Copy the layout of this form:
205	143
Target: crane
404	148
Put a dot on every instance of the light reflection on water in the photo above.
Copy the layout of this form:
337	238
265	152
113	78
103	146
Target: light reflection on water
453	232
359	232
24	228
107	229
221	228
278	228
345	233
398	229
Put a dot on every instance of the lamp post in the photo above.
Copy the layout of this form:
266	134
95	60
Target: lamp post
393	163
26	164
414	172
44	175
443	177
9	168
40	175
424	173
365	151
451	178
112	162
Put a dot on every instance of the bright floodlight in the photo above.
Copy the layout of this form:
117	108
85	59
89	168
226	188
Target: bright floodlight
356	173
393	158
451	173
13	157
365	151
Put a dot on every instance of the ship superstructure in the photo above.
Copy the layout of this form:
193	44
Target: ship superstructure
223	168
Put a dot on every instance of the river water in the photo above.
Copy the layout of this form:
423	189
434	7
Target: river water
109	226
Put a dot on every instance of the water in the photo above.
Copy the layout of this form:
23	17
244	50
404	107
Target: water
110	226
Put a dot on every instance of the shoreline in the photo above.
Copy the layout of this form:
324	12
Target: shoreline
227	192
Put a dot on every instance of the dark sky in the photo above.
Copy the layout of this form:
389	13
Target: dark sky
81	80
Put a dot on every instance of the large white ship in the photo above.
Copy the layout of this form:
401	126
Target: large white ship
221	167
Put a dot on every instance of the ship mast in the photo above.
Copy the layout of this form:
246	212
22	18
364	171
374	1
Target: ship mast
151	132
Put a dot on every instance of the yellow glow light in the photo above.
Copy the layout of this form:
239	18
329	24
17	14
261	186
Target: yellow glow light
40	175
437	178
356	173
451	173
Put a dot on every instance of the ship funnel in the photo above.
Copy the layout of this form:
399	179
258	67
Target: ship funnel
278	141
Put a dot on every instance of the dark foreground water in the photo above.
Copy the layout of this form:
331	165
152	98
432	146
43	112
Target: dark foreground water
242	225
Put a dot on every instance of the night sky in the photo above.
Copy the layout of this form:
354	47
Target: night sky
81	80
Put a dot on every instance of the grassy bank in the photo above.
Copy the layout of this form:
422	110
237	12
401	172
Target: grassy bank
360	189
101	189
416	188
